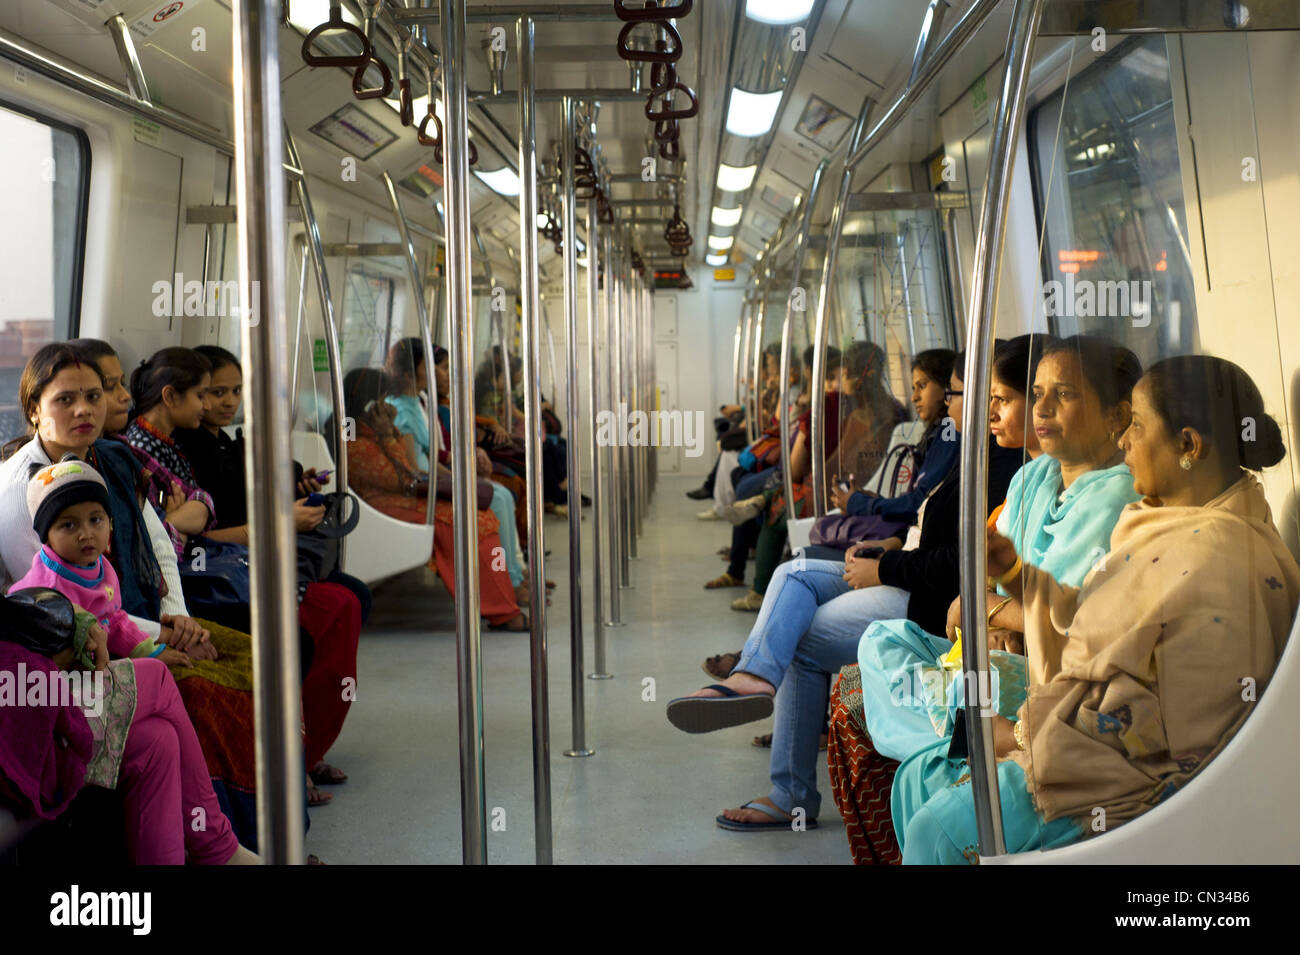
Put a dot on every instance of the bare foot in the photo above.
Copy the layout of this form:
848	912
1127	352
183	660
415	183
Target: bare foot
743	683
755	815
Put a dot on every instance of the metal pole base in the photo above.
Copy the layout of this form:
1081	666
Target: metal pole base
579	752
600	676
615	623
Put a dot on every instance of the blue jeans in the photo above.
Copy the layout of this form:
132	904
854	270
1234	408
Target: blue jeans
809	626
744	536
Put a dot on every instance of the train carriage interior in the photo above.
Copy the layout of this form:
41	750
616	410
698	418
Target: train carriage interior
479	373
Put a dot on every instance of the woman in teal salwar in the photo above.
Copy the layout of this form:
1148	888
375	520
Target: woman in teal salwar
1058	513
1135	677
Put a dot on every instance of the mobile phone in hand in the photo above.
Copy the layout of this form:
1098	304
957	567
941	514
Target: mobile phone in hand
315	499
323	476
868	553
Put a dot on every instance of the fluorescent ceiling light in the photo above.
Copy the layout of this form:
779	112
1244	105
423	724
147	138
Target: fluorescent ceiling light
542	219
736	178
727	217
717	259
419	108
751	114
307	15
502	181
778	11
721	244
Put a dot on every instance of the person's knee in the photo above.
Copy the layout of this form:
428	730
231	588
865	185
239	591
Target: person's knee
151	746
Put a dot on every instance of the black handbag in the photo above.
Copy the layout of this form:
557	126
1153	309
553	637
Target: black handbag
319	549
215	575
39	619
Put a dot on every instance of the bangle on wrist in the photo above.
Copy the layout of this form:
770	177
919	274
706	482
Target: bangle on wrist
1011	574
1022	741
994	612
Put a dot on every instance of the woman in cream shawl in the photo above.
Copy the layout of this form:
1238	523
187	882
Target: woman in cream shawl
1142	676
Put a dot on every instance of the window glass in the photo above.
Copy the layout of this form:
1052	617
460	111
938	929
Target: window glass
43	177
1110	196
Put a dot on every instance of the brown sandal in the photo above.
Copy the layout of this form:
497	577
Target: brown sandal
726	580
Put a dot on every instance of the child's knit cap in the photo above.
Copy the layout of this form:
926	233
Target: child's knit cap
55	488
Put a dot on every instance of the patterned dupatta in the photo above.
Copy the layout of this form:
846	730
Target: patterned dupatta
164	467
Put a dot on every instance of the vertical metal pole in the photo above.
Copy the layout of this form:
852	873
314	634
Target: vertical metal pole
796	275
426	330
954	257
301	246
622	495
529	293
312	232
817	393
568	132
975	413
633	509
597	481
469	678
610	452
742	373
756	390
268	468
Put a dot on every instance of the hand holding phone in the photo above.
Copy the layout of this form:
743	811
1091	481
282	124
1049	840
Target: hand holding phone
869	553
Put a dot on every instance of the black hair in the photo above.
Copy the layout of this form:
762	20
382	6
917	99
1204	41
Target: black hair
860	359
218	357
1110	368
93	348
405	357
362	386
1218	399
181	368
1015	361
936	363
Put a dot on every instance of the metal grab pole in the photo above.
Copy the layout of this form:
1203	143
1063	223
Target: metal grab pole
633	509
610	451
301	245
268	468
817	404
426	330
597	482
623	485
783	389
529	293
498	327
756	426
469	677
312	232
568	132
975	414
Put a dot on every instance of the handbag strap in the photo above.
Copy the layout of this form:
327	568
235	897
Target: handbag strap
333	526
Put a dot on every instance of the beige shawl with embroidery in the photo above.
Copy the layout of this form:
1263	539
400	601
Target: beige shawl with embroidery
1144	674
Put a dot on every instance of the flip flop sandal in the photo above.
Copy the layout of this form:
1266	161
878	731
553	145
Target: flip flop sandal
317	798
326	777
780	820
506	628
704	714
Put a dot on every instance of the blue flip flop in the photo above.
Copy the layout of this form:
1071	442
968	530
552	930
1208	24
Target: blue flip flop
704	714
779	820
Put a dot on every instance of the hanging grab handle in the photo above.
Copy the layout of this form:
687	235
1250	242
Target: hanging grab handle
359	89
336	22
652	12
664	52
667	111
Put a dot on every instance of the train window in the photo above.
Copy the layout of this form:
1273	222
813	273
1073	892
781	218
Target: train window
1109	193
44	172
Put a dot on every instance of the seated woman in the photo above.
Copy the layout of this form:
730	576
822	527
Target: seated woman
136	738
380	473
330	611
405	367
930	373
64	396
812	619
1136	677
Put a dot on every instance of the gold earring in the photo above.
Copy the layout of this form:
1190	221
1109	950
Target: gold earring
1185	462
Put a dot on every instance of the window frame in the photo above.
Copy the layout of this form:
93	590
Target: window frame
81	219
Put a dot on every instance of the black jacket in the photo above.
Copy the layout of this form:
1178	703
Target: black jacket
931	574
